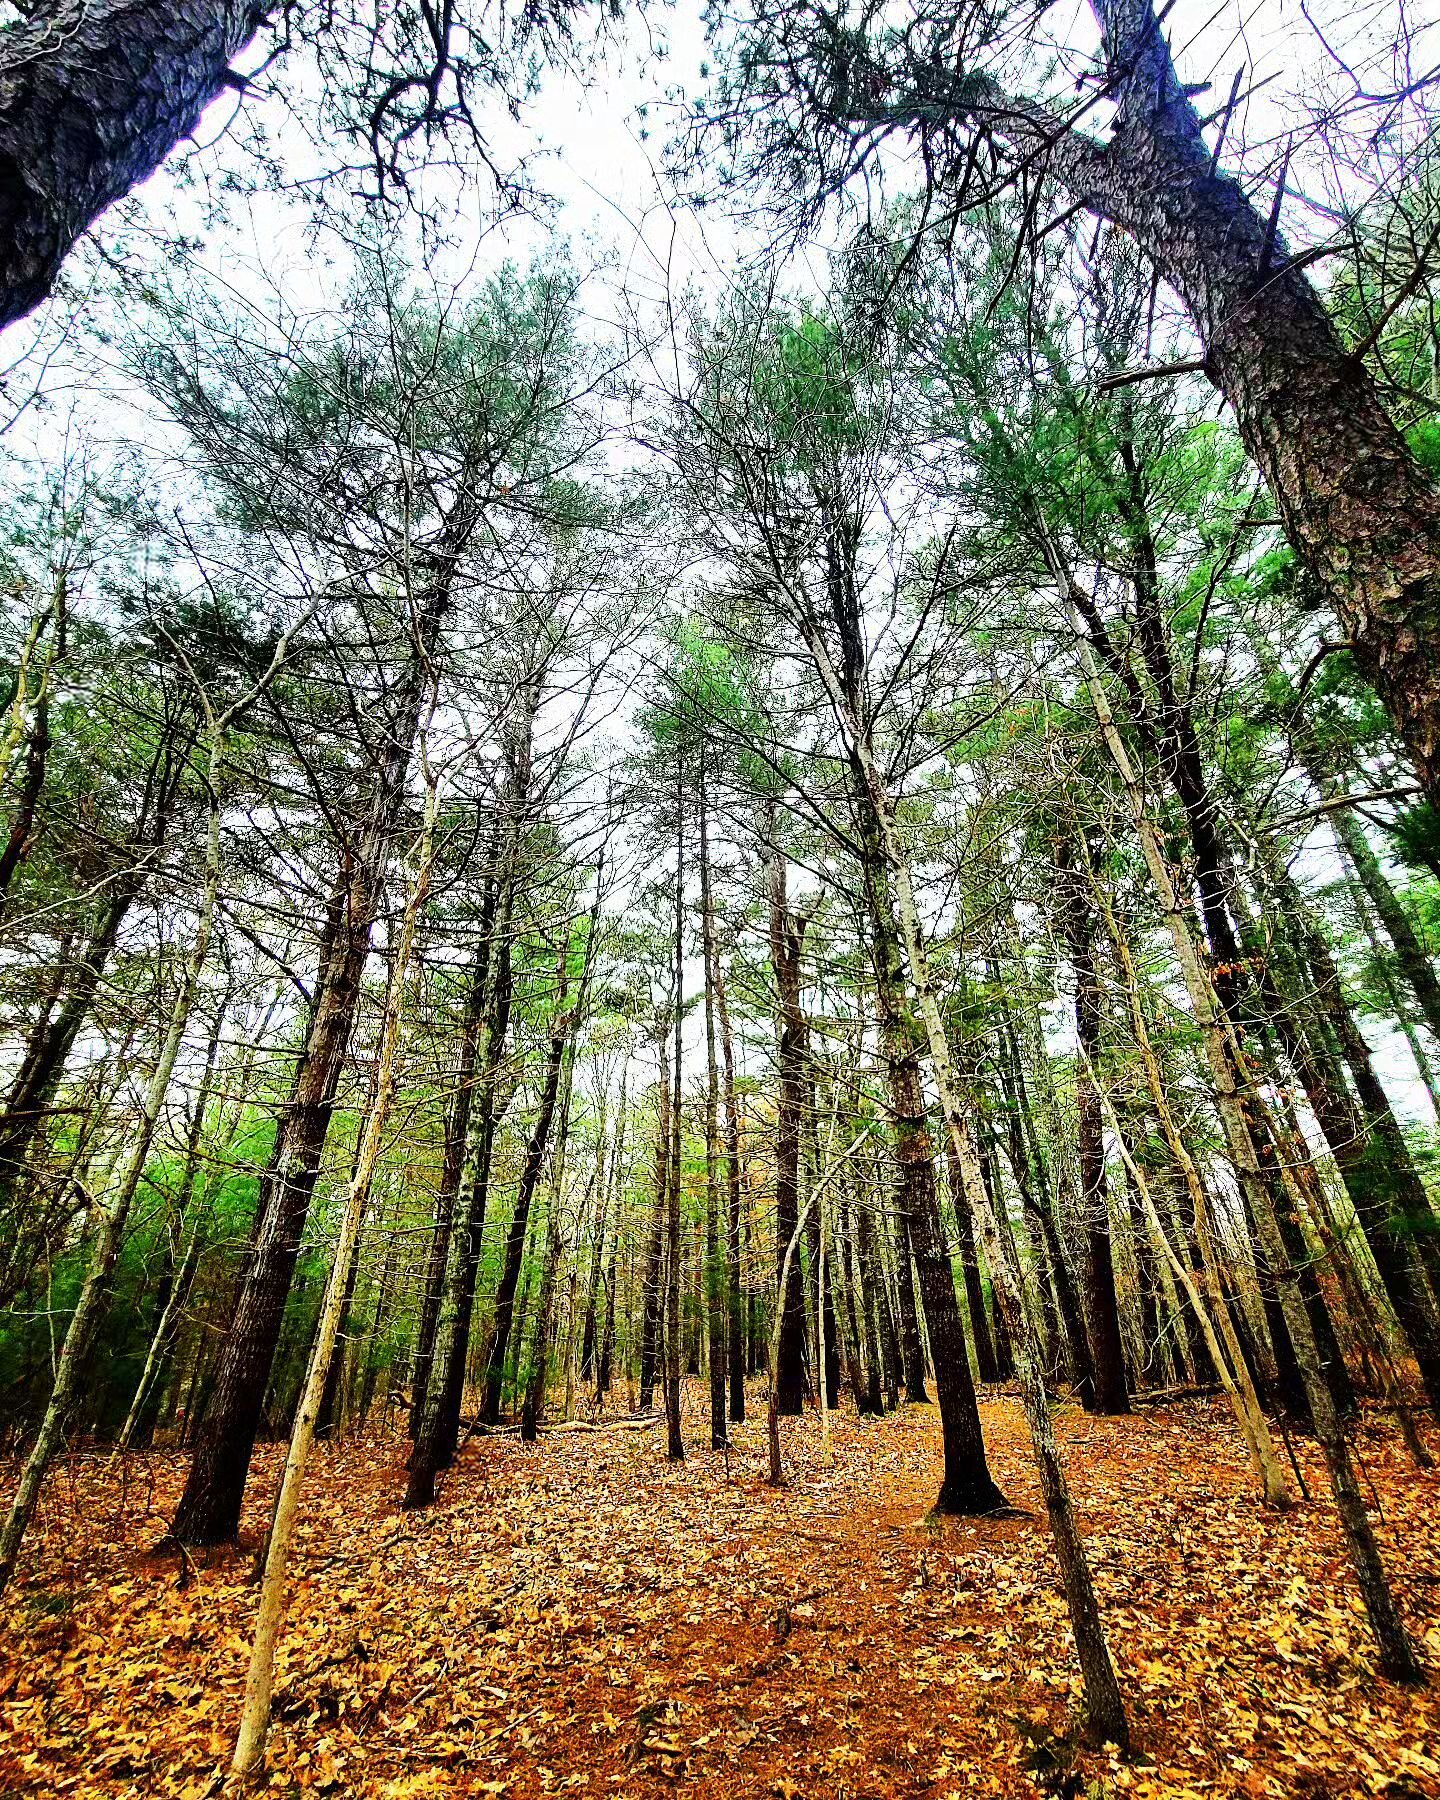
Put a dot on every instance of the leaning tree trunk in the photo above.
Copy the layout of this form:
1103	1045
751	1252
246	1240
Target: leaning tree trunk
1397	1653
209	1510
111	1206
94	94
250	1741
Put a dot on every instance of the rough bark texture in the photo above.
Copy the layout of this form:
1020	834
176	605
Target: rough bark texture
1360	513
94	94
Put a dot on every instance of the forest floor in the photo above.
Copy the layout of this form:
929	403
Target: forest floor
582	1617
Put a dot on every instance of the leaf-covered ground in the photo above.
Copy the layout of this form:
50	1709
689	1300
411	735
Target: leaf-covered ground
581	1617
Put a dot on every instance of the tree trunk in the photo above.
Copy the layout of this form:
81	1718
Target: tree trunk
653	1297
735	1323
1370	1151
716	1297
1396	1651
1416	966
457	1138
675	1443
111	1206
94	94
560	1027
985	1363
250	1741
1102	1311
967	1486
1105	1717
787	938
22	832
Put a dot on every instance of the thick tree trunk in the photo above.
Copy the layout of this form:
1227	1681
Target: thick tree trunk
1105	1717
94	94
209	1510
967	1486
254	1723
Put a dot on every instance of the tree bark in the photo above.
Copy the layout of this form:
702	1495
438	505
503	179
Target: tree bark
735	1299
653	1297
1397	1653
525	1193
1102	1311
716	1284
457	1138
787	938
209	1509
1360	513
675	1443
94	94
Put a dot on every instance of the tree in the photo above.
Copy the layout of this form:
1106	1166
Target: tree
811	92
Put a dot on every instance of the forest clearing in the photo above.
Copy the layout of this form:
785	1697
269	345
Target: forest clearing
720	898
578	1616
